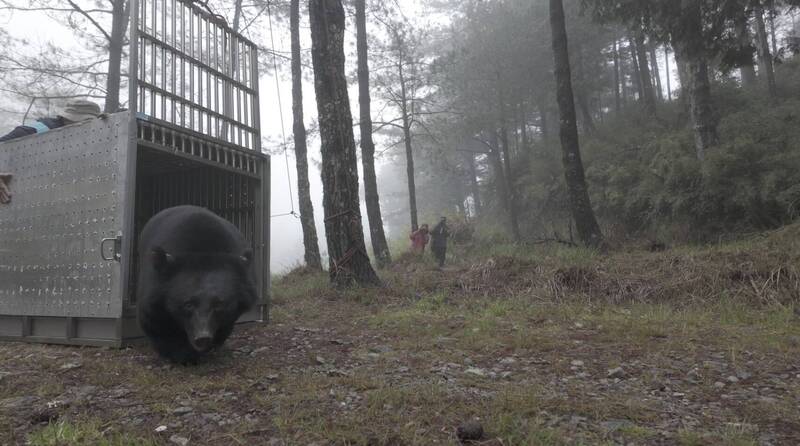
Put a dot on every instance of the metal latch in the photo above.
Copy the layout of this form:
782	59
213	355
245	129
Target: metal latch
115	253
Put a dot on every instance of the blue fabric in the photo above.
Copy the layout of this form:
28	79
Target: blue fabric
39	126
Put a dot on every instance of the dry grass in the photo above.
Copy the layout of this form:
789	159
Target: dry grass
494	337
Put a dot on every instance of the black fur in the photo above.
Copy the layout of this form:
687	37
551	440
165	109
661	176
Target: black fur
195	275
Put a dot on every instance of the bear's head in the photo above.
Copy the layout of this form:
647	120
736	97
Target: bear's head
205	293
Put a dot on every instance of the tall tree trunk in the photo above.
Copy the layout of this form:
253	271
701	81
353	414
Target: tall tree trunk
348	259
509	178
583	102
656	71
623	75
617	98
684	77
588	121
692	57
745	43
310	241
773	31
764	55
636	77
705	125
669	74
523	129
685	83
649	97
237	15
582	213
501	183
544	126
119	23
502	111
473	181
379	246
412	188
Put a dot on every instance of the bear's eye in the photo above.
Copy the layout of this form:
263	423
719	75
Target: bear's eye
188	305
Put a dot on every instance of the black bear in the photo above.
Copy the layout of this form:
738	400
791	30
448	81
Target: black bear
195	279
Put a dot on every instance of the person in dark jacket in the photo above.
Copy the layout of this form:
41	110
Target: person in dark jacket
439	236
75	111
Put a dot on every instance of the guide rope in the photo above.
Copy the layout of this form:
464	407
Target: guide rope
280	113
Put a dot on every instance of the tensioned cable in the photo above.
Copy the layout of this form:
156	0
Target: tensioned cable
280	113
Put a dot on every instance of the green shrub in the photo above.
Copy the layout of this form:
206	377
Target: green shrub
644	176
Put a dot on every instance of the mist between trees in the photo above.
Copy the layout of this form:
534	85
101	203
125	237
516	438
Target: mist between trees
582	121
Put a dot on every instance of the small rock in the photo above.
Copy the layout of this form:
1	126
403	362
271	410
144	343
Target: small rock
259	351
320	360
794	340
55	404
617	373
577	363
276	442
475	371
180	441
182	410
160	429
469	432
505	375
719	385
380	349
214	417
70	366
508	361
578	325
743	375
337	372
732	379
120	392
576	420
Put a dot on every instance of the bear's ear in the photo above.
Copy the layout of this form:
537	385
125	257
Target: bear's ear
246	257
162	260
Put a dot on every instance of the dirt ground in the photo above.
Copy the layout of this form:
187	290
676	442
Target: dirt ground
482	342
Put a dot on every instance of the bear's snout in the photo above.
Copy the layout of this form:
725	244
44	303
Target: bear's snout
201	329
203	342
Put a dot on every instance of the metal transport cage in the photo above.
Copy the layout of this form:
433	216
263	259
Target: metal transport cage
82	193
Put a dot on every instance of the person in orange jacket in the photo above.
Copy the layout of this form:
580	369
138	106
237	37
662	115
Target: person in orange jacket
419	239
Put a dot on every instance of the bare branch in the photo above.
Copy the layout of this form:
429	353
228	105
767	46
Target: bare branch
91	19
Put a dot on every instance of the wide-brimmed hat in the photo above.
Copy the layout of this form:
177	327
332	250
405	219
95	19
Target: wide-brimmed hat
80	110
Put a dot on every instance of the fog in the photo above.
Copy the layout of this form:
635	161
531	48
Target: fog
286	233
